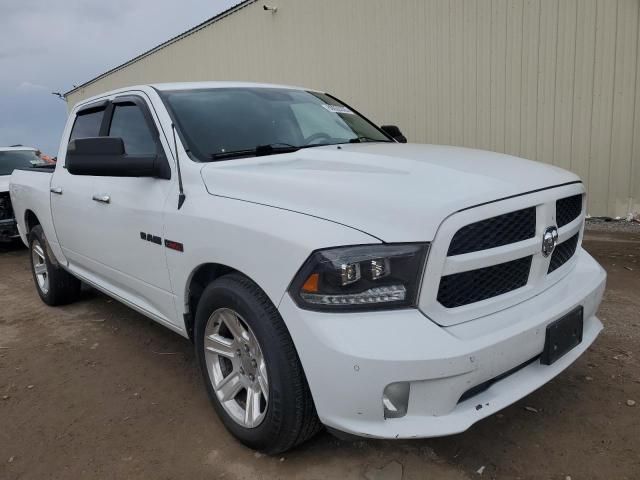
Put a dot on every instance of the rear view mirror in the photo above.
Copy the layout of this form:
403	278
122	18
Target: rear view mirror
106	157
394	132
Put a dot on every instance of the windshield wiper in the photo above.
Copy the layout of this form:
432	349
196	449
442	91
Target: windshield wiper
258	151
366	139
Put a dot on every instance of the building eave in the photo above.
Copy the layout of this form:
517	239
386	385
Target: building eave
177	38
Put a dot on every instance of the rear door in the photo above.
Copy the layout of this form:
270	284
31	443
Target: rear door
71	194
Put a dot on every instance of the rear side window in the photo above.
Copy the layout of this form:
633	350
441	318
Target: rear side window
87	125
128	123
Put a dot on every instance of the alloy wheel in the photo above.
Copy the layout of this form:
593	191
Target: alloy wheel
40	267
237	367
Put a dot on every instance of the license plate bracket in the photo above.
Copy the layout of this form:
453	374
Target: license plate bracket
562	335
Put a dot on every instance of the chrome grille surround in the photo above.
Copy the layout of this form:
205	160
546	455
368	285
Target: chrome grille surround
441	264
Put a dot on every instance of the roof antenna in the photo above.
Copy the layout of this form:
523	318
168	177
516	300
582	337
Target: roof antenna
181	195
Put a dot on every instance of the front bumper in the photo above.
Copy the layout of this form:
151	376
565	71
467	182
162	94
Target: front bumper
8	230
350	358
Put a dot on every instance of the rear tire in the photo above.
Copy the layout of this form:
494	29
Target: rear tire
286	415
55	285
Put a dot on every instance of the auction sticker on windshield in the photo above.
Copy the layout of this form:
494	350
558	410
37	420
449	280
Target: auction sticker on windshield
338	109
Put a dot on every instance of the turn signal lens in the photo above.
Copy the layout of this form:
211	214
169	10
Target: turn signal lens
361	278
311	285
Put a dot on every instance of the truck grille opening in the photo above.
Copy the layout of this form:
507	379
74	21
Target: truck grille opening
494	232
490	257
478	389
563	253
475	285
6	211
568	209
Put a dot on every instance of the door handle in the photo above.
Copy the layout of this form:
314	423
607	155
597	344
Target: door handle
56	190
102	198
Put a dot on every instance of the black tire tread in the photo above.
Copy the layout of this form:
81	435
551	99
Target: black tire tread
306	411
64	288
306	422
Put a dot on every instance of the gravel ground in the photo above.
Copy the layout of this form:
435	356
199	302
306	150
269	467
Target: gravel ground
612	226
94	390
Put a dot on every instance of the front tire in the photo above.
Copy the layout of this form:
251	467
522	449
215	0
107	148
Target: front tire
55	285
251	368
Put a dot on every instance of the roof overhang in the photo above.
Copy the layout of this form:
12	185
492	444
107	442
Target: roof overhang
177	38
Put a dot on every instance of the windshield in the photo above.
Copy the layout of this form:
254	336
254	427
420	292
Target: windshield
219	121
10	160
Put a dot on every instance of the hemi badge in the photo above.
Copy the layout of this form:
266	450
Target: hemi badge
177	246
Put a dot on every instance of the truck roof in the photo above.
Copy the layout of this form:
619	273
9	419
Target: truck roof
166	87
215	84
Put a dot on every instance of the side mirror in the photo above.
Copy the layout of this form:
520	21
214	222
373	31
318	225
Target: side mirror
106	157
394	132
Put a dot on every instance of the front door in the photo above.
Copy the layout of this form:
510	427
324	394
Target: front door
127	216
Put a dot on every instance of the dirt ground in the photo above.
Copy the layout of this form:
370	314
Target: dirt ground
95	390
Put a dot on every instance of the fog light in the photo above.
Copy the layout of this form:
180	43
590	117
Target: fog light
395	399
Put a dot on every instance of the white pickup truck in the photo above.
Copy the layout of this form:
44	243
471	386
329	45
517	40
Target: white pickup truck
10	159
327	272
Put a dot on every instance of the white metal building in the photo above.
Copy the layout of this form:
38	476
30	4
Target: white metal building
553	80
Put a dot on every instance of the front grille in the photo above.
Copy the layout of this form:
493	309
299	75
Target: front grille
475	285
6	212
563	253
568	209
494	232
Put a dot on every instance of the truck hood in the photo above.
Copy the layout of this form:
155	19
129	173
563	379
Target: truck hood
395	192
4	183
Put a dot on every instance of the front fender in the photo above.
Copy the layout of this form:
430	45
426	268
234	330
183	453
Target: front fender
267	244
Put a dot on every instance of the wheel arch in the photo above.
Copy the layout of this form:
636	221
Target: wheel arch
30	220
198	280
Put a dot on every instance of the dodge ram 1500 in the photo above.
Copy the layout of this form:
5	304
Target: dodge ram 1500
327	272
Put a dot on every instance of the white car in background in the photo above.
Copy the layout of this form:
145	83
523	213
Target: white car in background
10	159
326	271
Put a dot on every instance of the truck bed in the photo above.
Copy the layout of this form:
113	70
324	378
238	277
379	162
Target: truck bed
45	168
30	197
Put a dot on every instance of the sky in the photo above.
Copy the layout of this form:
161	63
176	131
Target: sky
51	45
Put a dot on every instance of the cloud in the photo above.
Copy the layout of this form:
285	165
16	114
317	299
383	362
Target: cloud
15	51
32	87
49	46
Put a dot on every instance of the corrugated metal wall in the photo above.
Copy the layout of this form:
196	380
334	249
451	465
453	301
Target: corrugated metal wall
551	80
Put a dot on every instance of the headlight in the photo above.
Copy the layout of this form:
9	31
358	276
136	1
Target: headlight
365	277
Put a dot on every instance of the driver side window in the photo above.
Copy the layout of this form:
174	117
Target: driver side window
128	123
